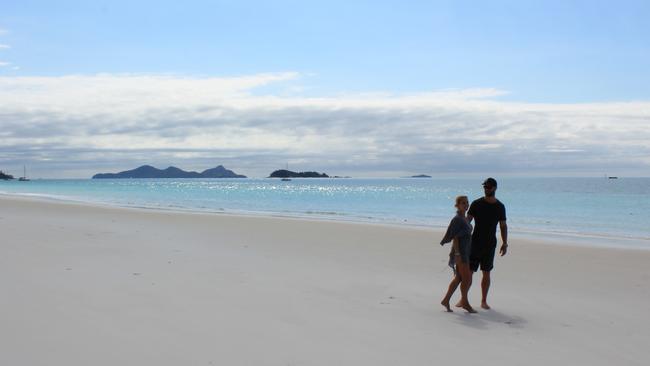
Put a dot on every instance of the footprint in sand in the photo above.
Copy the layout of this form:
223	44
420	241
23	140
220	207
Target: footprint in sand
387	303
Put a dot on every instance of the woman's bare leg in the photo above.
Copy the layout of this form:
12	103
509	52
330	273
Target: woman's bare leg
465	284
453	285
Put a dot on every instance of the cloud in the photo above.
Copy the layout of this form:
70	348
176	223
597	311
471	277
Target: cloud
4	63
77	125
4	46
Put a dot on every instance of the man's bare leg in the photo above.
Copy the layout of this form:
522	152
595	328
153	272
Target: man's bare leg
485	287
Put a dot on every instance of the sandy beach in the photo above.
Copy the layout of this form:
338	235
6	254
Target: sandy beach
90	285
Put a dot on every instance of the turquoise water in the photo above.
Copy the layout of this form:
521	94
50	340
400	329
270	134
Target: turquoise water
586	206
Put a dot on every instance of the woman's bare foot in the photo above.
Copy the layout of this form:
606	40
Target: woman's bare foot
468	308
465	305
485	306
445	303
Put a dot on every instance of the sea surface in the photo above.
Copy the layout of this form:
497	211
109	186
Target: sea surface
598	209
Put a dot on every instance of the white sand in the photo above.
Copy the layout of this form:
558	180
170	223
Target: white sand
83	285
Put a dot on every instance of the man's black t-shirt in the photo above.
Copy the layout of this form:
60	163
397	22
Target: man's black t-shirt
487	216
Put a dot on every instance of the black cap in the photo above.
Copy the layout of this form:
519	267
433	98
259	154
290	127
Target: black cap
490	182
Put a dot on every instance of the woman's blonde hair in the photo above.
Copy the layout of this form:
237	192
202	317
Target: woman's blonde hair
461	198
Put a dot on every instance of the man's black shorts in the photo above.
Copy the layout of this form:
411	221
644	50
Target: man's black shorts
482	258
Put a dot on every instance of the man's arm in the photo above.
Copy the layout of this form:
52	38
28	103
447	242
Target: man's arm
471	211
504	237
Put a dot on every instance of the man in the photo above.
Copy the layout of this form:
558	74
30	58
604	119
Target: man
487	211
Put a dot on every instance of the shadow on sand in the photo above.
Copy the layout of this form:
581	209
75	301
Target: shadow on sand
484	318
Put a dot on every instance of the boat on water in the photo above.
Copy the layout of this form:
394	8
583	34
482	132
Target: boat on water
286	179
24	177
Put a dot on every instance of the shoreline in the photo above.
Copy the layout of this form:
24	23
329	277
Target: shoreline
167	288
588	240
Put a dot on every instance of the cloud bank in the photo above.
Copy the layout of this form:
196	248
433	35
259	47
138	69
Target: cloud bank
77	125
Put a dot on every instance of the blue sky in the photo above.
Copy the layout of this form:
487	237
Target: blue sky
523	58
539	51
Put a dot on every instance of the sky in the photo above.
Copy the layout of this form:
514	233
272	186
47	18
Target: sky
359	88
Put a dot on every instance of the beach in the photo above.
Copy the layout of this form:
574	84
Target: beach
96	285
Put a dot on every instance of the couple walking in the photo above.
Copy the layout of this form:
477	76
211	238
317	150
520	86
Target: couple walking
472	250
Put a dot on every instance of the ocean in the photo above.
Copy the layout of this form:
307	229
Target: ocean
592	210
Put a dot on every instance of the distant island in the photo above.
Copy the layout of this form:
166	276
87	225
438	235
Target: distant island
283	173
147	171
5	176
421	176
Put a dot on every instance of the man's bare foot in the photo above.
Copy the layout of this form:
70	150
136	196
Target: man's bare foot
459	304
445	303
469	308
485	306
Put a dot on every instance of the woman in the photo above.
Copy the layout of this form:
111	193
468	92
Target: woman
459	233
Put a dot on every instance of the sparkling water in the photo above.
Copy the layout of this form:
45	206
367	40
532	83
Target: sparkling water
588	207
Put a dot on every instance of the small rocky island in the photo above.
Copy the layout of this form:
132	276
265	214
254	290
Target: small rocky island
147	171
283	173
5	176
421	176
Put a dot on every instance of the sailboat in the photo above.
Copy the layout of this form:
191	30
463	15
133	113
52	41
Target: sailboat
24	177
286	179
